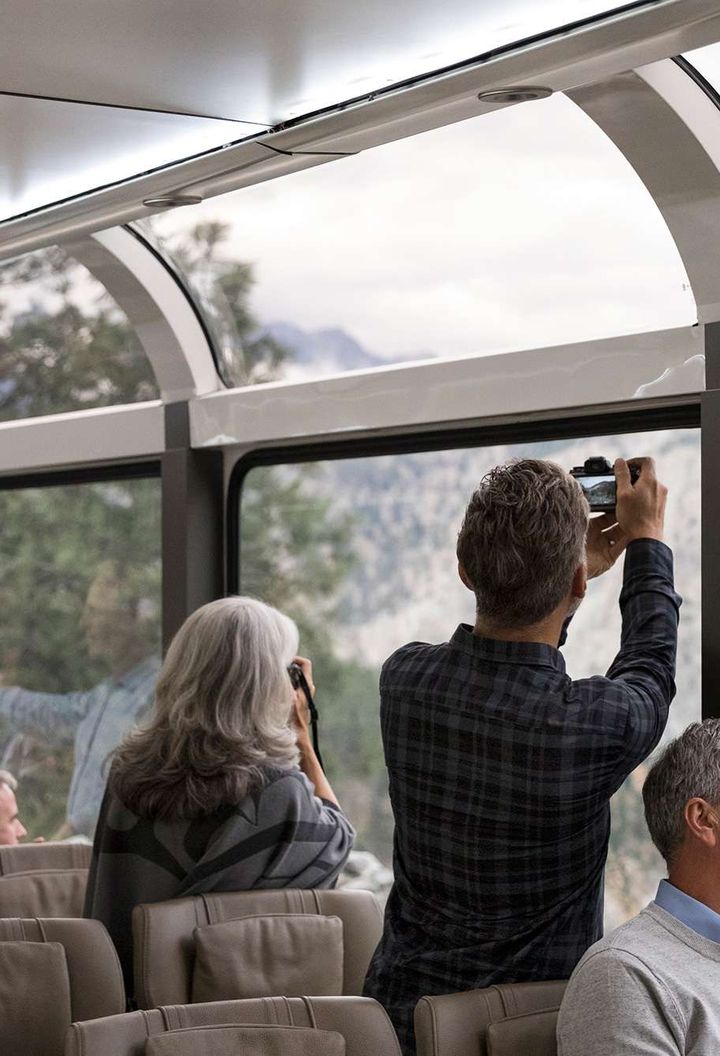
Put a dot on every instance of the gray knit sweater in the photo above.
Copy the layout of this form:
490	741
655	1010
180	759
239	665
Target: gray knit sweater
651	988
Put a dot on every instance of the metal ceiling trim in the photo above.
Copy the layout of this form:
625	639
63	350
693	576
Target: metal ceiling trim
591	53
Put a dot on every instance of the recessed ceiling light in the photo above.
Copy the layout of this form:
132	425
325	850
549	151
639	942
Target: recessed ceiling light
171	201
514	94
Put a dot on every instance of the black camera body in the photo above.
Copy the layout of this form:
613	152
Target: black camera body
296	676
597	479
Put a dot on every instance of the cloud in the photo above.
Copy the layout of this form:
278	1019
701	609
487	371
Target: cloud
516	229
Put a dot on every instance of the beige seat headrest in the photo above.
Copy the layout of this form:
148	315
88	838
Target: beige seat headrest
43	893
35	1007
282	953
363	1023
93	970
164	935
26	857
458	1024
533	1032
250	1040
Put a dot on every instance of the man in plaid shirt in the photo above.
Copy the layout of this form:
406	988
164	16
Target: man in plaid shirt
501	766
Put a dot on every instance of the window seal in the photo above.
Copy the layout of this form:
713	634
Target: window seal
98	474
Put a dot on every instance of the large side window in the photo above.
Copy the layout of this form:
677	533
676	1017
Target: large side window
79	639
361	552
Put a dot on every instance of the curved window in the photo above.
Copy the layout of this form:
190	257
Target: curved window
521	228
79	640
707	63
65	345
361	553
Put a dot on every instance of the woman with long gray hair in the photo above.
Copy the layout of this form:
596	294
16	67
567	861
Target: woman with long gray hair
220	789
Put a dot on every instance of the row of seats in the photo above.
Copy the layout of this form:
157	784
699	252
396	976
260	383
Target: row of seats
75	962
206	969
495	1025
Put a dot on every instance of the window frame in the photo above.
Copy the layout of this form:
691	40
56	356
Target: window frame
690	412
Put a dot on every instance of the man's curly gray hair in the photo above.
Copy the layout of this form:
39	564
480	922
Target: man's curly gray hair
6	778
521	541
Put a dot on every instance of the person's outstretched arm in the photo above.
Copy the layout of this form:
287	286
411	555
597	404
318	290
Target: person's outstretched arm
645	663
56	714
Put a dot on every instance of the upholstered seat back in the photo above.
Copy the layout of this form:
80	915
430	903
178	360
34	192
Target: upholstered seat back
342	1026
43	893
244	944
460	1024
53	971
252	1039
26	857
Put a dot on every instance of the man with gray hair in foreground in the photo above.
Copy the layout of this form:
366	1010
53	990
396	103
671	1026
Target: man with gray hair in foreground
652	988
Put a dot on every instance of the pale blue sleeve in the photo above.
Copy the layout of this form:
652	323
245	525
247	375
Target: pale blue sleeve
49	714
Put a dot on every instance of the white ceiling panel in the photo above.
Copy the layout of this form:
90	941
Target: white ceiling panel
51	150
263	61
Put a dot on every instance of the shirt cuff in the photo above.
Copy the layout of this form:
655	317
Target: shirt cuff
648	555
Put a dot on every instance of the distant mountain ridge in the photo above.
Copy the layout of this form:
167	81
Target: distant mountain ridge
327	351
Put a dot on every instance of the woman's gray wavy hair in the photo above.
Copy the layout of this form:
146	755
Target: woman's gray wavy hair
521	541
221	716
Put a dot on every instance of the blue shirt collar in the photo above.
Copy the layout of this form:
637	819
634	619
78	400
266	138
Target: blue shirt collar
689	911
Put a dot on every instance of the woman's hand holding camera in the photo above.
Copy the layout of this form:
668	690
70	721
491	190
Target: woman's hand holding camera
301	711
301	721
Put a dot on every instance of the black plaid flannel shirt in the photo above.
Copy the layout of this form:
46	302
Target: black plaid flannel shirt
501	771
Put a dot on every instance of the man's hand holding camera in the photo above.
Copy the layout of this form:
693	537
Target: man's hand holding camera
639	514
640	507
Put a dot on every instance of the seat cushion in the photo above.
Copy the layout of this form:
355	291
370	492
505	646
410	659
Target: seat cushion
34	998
43	893
533	1033
251	1040
288	954
29	857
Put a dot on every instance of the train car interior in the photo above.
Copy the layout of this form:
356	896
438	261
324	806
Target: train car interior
280	283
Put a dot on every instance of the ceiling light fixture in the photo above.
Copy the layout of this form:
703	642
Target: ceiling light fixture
172	201
516	94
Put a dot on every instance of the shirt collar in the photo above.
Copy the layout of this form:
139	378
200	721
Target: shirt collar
531	654
689	911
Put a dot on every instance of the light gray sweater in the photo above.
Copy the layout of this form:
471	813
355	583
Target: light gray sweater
651	988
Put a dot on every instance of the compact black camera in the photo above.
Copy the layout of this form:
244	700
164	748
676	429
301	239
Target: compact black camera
298	680
296	676
597	479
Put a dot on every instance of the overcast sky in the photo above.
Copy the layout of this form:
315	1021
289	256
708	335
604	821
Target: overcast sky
520	228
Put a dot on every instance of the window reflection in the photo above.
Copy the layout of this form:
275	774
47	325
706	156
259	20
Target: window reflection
361	553
79	640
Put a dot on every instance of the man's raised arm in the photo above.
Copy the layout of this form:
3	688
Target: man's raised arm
649	605
49	714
